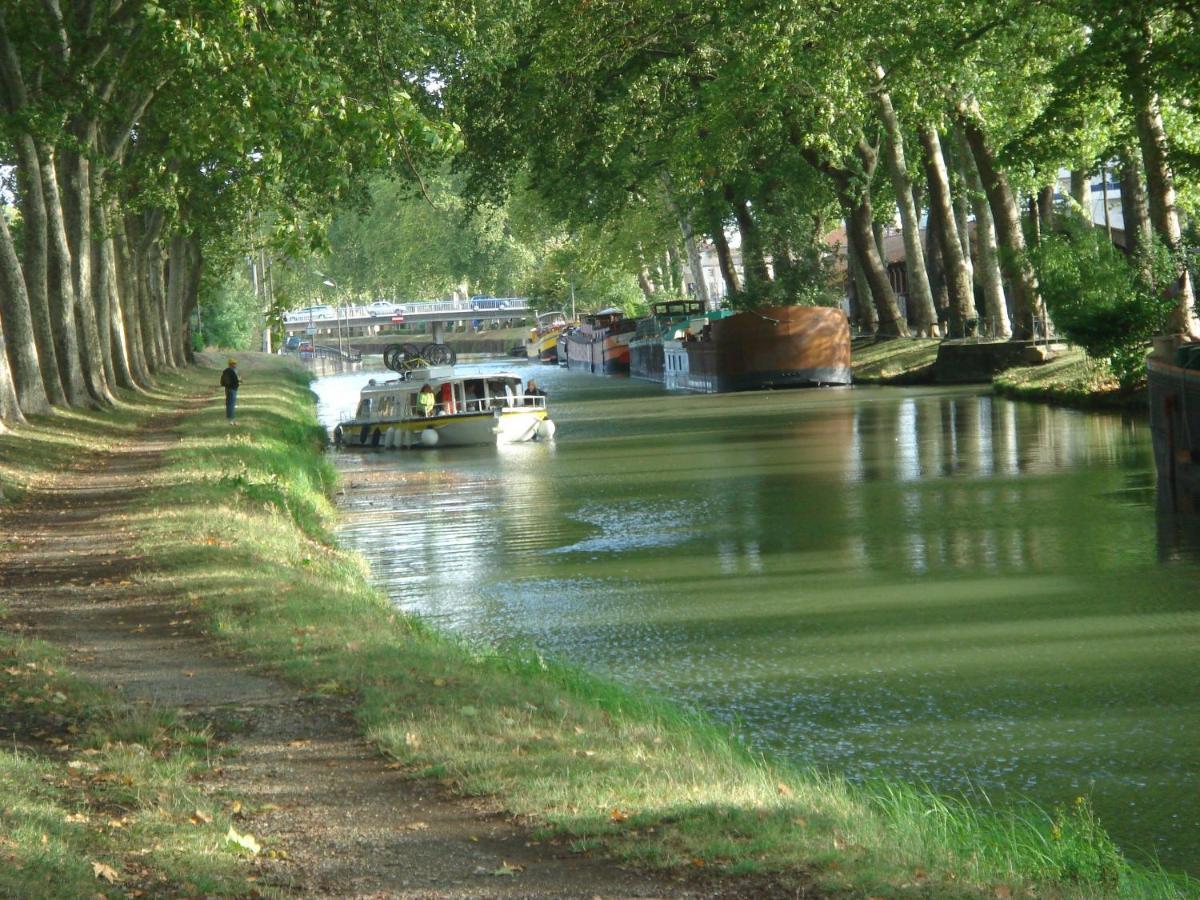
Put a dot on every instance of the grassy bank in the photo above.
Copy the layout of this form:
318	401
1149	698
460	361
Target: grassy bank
1071	379
97	797
893	361
239	525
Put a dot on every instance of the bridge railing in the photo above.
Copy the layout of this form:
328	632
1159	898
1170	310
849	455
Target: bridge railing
468	308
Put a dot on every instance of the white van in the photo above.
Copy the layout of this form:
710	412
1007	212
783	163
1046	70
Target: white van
310	314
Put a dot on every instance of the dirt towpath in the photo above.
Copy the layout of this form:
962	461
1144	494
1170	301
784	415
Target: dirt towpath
346	823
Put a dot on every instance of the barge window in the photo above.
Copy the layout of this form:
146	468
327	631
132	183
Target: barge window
364	408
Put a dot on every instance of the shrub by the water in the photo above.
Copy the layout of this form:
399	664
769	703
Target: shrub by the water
1107	303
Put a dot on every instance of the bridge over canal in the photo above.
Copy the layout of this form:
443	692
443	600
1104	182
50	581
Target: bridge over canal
360	320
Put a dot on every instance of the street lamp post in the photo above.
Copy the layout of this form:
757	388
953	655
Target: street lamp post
337	308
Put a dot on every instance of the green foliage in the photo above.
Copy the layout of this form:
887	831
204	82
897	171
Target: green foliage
229	316
1101	300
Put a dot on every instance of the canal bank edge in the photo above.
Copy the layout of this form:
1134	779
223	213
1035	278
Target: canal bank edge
587	762
1068	378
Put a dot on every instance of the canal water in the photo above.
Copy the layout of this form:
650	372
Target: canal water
928	584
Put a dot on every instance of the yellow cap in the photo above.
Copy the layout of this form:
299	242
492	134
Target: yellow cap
232	361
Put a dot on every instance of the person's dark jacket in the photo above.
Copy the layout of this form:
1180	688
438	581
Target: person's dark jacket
229	379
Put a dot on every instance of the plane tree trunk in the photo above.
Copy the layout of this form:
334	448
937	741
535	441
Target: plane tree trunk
920	297
1023	286
958	280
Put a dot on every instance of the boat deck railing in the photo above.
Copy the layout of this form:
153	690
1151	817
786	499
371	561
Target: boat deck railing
490	405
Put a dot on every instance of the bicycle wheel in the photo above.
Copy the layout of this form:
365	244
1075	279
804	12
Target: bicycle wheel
392	355
436	354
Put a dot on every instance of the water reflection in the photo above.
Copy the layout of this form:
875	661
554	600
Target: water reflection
937	584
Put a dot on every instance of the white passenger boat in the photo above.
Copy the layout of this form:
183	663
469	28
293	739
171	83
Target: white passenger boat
468	409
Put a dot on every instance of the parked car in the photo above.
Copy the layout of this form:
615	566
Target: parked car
292	343
310	314
384	308
305	347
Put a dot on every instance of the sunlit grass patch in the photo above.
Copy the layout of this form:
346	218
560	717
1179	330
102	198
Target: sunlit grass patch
1071	378
96	796
880	361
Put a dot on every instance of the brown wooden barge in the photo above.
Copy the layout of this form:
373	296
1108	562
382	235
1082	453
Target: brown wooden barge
772	347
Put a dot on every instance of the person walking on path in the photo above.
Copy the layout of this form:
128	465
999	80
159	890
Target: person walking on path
231	382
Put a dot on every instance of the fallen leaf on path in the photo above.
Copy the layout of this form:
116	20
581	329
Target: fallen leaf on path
245	841
509	869
618	815
108	873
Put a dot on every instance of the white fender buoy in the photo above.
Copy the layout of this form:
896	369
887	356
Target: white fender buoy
546	429
429	437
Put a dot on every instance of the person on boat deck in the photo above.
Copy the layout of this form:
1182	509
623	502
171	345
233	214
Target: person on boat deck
474	391
532	390
426	401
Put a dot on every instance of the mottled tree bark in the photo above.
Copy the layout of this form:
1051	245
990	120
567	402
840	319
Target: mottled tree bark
62	286
1134	211
691	248
920	298
958	281
937	270
36	266
864	303
77	212
754	262
1023	286
10	407
1081	193
109	298
156	294
733	285
891	322
1045	208
1160	194
987	268
17	324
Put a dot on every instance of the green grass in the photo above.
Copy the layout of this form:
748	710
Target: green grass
892	360
239	525
97	799
1073	379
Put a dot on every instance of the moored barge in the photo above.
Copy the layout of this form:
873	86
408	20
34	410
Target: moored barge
1173	387
600	343
772	347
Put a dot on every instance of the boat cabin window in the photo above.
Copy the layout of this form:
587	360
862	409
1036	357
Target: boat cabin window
475	394
364	408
